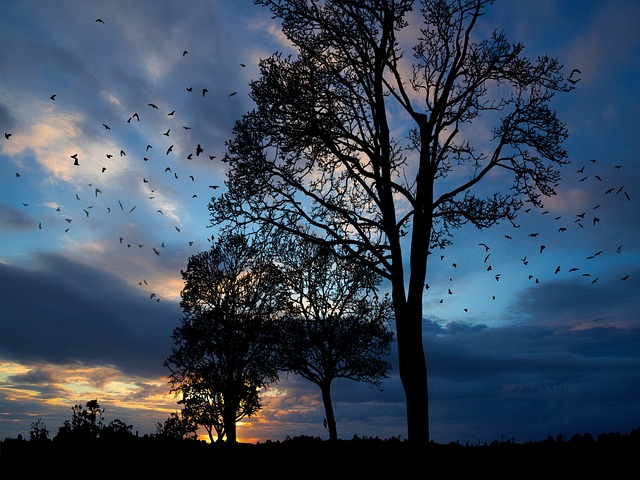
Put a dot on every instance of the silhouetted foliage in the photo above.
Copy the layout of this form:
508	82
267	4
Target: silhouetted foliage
224	350
39	431
177	427
87	425
335	325
366	147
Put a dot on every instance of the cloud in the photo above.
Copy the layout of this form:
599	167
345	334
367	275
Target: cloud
14	219
60	311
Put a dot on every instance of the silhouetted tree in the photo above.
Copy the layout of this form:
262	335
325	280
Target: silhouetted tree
367	147
39	431
224	347
86	422
116	430
177	427
335	324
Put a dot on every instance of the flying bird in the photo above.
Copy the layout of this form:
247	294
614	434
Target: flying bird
167	133
204	91
7	135
153	106
199	150
53	97
232	94
99	20
169	149
106	126
570	79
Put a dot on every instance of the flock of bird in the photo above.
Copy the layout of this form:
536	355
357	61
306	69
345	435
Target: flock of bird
95	203
580	221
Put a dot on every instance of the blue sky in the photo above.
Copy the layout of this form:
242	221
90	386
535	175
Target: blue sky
87	306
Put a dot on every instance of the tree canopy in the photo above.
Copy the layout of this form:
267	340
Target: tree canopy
335	325
224	347
382	157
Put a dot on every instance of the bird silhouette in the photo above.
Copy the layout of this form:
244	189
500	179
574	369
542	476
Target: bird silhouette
204	91
99	20
169	149
7	135
199	150
53	97
153	106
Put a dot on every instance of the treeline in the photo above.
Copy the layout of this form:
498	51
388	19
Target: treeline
111	449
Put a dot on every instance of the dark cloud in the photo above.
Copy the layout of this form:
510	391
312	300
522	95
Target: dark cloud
60	311
14	219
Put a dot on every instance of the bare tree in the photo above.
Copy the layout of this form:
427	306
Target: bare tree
379	155
224	347
336	326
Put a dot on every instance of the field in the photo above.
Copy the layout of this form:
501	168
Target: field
615	457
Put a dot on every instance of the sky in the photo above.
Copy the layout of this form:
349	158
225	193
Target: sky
530	342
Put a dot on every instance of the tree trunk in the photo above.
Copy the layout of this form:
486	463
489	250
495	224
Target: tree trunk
230	425
413	369
325	388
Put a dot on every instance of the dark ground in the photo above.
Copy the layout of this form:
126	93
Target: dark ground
611	458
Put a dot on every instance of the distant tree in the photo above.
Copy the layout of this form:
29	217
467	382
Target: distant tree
86	422
335	325
39	431
116	430
323	145
177	427
223	351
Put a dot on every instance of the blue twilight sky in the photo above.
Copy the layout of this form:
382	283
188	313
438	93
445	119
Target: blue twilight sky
90	254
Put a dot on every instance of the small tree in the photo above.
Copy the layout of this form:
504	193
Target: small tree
85	424
116	430
336	326
224	348
177	427
39	431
